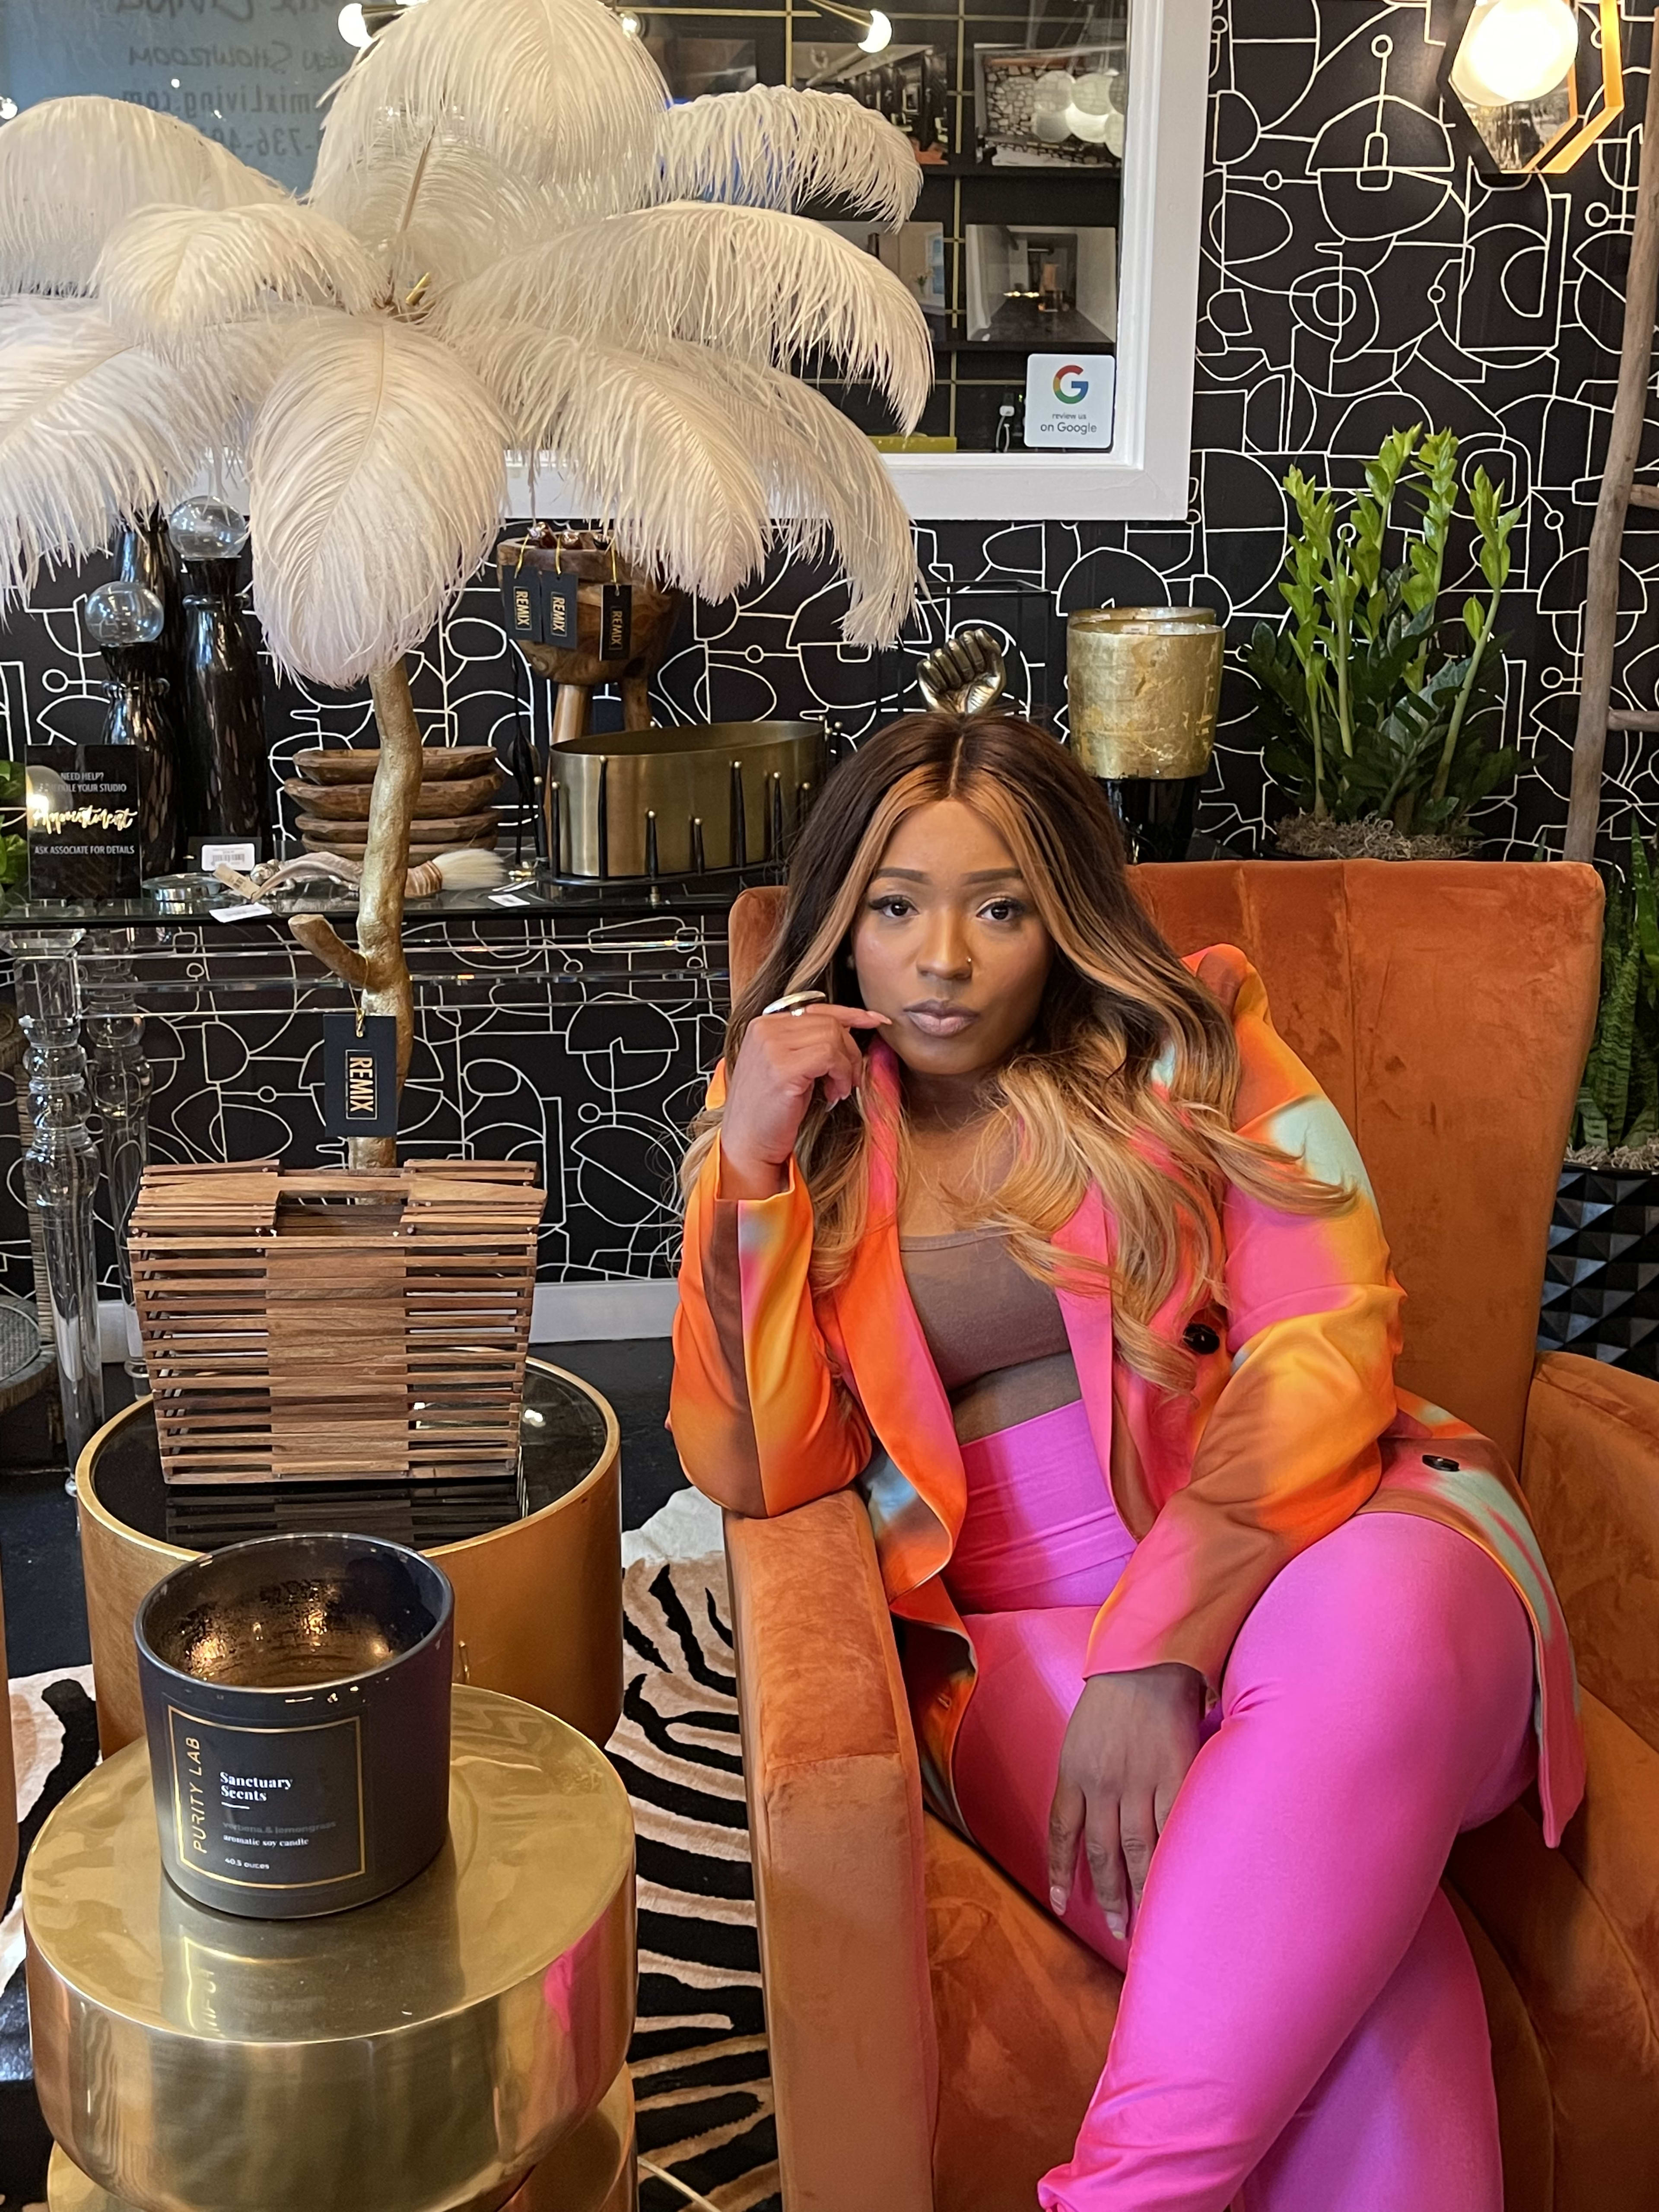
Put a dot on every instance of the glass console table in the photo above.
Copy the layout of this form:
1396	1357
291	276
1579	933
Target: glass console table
87	976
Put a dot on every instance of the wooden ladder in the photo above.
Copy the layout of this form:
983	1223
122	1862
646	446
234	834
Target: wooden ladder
1620	492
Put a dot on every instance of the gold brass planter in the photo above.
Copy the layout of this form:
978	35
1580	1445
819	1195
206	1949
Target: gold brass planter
538	1601
421	2054
1143	685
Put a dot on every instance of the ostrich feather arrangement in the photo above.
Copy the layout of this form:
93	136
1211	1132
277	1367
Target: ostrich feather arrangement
511	241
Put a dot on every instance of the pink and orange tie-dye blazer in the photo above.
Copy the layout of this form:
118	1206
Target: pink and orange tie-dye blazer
781	1396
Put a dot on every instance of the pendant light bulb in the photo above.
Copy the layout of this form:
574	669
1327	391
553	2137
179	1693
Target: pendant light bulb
880	36
1515	51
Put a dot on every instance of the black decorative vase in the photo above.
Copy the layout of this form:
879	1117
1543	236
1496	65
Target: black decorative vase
1601	1278
225	749
145	555
127	622
296	1701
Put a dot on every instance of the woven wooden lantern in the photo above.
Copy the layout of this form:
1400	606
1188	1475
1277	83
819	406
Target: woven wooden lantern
319	1325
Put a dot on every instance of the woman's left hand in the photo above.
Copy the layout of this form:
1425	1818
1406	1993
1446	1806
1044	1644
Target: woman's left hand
1129	1744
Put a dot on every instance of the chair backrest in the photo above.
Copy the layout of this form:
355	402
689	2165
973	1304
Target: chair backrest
1446	1006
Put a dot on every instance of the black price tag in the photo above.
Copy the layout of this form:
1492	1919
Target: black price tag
616	621
519	604
360	1076
560	596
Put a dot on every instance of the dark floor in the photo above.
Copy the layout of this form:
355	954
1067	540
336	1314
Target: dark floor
40	1555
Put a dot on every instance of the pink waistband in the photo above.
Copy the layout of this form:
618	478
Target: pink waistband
1041	1526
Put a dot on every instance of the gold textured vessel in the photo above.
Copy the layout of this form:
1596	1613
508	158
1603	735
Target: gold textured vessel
421	2054
1143	686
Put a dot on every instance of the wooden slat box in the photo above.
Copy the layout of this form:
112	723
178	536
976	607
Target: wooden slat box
313	1325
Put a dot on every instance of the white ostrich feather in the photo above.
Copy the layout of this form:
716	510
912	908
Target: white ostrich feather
695	460
169	273
70	170
772	147
655	457
748	282
467	210
554	89
93	431
825	480
375	474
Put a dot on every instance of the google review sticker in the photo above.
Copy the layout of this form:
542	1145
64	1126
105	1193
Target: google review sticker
1069	399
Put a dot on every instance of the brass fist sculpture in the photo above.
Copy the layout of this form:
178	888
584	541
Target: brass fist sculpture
965	676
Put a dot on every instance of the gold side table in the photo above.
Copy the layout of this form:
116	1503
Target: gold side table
455	2047
537	1599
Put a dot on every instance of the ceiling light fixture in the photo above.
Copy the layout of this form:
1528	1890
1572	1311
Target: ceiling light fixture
877	30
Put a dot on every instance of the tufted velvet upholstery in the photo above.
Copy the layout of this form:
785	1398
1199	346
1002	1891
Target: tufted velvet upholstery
934	2036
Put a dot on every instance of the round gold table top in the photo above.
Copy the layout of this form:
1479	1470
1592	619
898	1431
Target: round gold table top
416	2055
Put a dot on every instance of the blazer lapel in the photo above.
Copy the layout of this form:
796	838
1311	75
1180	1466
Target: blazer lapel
917	1501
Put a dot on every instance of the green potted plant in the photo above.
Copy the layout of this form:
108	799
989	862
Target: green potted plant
1602	1281
14	842
1382	713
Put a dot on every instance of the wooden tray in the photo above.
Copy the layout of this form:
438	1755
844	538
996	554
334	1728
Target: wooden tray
439	764
352	836
349	802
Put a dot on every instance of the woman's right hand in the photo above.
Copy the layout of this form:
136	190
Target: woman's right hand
782	1060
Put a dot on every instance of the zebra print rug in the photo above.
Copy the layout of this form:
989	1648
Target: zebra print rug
699	2054
699	2057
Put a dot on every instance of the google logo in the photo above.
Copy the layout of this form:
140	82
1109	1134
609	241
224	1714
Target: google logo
1071	385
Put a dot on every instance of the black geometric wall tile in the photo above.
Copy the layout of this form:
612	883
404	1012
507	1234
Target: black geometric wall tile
1602	1273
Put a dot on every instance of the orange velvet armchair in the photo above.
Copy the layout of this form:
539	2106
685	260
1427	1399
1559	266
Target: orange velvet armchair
934	2036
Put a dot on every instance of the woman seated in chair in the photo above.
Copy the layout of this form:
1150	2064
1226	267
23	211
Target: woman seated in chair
1214	1638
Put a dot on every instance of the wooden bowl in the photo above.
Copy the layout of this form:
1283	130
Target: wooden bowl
351	838
350	802
357	765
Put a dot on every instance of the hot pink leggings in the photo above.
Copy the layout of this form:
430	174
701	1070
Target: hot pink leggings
1300	2027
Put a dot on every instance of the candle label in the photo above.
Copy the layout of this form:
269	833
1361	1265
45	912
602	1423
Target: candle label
268	1809
359	1075
83	822
616	621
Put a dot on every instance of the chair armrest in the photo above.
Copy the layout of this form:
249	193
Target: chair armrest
1590	1472
1577	1930
835	1828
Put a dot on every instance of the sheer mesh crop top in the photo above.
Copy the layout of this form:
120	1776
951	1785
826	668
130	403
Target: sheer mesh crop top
997	1335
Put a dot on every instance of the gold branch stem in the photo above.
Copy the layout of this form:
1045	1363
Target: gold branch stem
320	936
386	988
377	969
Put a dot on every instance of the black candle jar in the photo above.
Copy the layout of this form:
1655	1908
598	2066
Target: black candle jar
296	1701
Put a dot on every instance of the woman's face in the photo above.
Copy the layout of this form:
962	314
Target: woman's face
948	945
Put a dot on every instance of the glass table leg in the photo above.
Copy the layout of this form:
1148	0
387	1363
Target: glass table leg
60	1168
121	1082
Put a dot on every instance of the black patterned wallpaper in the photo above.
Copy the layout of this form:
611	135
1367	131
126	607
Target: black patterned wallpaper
1358	275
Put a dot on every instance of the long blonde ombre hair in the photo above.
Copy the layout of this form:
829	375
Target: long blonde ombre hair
1128	1080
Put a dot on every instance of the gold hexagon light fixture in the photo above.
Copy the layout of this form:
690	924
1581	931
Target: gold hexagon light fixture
1536	81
